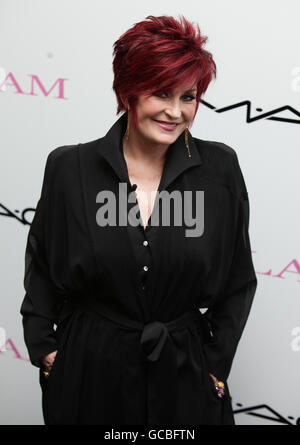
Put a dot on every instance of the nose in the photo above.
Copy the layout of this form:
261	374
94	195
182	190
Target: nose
174	110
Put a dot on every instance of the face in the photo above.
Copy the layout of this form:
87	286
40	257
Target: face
173	107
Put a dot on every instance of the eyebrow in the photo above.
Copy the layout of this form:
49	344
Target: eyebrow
192	90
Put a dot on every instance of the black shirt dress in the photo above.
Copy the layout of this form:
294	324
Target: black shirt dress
133	345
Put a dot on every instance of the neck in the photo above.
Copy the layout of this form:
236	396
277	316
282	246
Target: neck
138	150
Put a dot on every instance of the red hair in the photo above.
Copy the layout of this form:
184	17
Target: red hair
158	55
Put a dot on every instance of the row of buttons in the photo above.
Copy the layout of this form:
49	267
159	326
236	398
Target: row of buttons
145	268
145	243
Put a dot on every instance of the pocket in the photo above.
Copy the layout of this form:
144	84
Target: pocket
60	335
48	385
54	362
213	389
45	380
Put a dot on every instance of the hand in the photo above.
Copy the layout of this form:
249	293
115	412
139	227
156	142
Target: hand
48	360
220	387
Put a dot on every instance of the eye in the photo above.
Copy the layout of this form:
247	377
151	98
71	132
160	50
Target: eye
185	95
159	94
191	97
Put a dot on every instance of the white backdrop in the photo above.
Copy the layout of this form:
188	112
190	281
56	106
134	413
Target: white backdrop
256	49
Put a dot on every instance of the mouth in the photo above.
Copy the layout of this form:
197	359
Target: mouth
169	126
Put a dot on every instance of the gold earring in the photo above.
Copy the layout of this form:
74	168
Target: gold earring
186	135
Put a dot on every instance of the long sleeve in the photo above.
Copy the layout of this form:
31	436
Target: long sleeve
229	313
40	305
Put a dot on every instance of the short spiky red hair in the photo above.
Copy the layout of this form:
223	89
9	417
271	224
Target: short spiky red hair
158	55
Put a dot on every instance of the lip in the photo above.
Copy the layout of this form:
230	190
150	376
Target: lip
166	126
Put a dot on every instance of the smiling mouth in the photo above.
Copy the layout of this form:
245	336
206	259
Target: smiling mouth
167	124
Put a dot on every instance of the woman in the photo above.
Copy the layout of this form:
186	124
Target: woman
131	344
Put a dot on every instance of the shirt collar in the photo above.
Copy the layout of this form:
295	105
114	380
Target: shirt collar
176	162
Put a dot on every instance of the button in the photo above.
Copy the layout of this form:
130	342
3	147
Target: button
145	268
145	243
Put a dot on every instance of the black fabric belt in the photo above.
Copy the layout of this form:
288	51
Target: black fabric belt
159	350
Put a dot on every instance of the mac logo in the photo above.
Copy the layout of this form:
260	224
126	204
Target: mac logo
273	115
266	413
